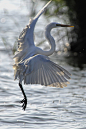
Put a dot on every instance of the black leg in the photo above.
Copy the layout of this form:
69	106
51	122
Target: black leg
24	101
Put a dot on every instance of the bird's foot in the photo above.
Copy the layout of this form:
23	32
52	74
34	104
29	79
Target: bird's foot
24	101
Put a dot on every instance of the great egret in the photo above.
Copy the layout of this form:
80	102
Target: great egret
32	64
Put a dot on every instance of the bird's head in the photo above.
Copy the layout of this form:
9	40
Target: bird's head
55	25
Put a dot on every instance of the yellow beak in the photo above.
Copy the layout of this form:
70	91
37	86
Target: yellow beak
62	25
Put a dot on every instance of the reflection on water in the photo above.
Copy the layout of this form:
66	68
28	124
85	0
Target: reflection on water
47	107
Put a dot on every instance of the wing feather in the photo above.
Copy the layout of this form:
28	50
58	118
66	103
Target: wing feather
40	70
61	68
53	71
41	76
26	37
47	76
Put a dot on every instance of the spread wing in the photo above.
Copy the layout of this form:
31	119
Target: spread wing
26	37
40	70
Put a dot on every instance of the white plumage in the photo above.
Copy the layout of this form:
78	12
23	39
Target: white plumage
39	69
32	64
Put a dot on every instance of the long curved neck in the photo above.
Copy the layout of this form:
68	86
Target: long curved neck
50	40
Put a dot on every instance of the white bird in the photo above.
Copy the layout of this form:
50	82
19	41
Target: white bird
32	64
